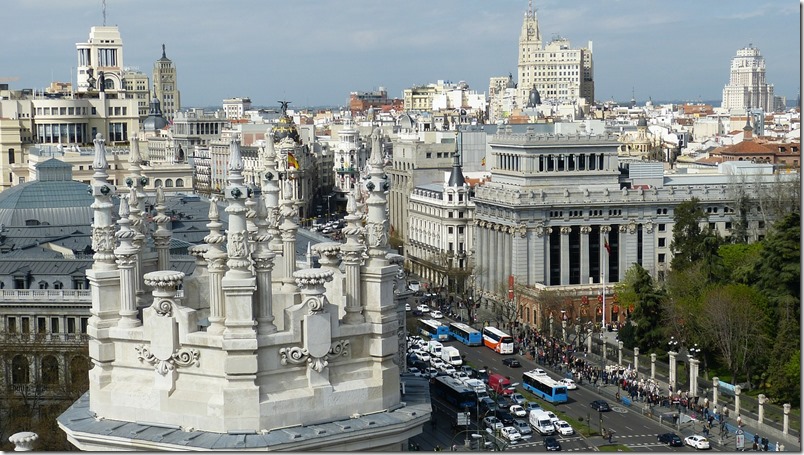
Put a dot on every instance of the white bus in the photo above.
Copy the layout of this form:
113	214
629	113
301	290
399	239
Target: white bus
497	340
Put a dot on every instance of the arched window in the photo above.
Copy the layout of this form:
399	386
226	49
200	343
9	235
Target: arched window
157	183
79	372
20	373
180	183
169	183
58	285
50	370
43	285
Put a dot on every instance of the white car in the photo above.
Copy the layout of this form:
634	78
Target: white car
423	308
447	368
563	428
538	371
492	423
511	434
407	307
697	441
430	373
571	385
435	362
421	355
435	314
460	375
414	371
518	411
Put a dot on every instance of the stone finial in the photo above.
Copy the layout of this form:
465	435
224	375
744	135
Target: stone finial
23	441
165	283
99	163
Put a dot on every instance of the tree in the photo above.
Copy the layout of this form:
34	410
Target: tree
638	289
734	315
691	243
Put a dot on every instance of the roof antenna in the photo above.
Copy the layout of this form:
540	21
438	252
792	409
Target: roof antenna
104	12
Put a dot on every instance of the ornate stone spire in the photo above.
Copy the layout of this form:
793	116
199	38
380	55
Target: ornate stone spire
216	265
126	254
288	230
162	234
103	240
237	246
376	220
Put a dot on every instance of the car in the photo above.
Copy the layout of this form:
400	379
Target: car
538	371
437	363
487	404
430	373
407	307
460	375
531	406
493	423
511	434
551	444
448	369
421	355
600	405
505	417
502	402
414	371
518	410
435	314
571	385
423	308
517	398
563	428
468	370
670	439
523	427
697	441
511	362
553	418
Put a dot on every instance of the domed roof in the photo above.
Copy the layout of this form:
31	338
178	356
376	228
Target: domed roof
285	127
643	122
155	121
534	99
54	200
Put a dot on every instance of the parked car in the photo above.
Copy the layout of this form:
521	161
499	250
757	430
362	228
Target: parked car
511	434
505	417
493	423
517	398
531	406
600	405
414	371
518	411
551	444
435	314
502	402
563	428
423	308
697	441
448	369
430	373
571	385
487	404
524	429
421	355
511	362
407	307
436	363
670	439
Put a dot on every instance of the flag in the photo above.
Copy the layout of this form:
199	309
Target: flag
292	162
483	161
606	245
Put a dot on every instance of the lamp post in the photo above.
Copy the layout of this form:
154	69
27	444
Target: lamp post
671	376
329	207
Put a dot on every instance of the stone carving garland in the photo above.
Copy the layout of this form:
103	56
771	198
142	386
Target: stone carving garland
295	355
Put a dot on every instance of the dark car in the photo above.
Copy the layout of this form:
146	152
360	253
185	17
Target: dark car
600	405
511	362
487	404
483	375
670	439
550	443
505	417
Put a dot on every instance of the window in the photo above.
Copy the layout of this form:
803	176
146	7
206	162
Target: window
180	183
20	373
58	285
661	258
41	325
449	214
460	229
450	230
54	325
169	183
84	324
662	241
26	325
50	370
12	324
728	224
662	227
70	325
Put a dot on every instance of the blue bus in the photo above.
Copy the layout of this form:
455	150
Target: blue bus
453	392
465	334
433	330
544	387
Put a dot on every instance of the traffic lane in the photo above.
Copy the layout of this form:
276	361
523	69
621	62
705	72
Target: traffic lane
629	425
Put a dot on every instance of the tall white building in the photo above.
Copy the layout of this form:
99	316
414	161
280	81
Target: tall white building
100	61
747	87
559	72
166	88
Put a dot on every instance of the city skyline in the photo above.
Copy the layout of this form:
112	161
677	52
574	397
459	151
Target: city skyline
657	50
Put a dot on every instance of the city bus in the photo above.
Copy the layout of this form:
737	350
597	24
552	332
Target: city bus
453	392
433	330
545	387
465	334
497	340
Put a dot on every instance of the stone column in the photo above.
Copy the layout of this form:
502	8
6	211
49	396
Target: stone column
376	228
603	347
588	341
263	259
288	230
500	279
694	377
619	353
671	376
137	207
786	424
715	384
653	366
126	255
216	267
565	259
352	252
636	359
162	234
604	255
622	245
737	390
761	399
585	230
507	236
564	330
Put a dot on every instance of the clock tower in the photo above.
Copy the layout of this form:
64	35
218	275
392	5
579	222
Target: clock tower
530	42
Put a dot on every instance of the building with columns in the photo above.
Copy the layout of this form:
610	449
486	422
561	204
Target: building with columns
290	359
747	87
559	214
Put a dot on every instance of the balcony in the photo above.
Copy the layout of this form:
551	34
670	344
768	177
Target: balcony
346	170
29	295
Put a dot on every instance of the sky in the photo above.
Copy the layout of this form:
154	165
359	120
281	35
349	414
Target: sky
315	52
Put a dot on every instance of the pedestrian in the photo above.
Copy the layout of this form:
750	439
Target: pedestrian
739	421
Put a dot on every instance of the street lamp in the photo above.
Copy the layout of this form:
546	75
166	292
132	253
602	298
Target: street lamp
672	351
329	207
695	350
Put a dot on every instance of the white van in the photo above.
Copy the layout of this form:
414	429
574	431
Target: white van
434	348
540	422
451	355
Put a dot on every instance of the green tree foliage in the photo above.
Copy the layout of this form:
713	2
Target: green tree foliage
692	244
645	329
739	260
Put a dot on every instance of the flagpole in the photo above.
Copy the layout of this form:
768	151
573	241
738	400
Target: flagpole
604	264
